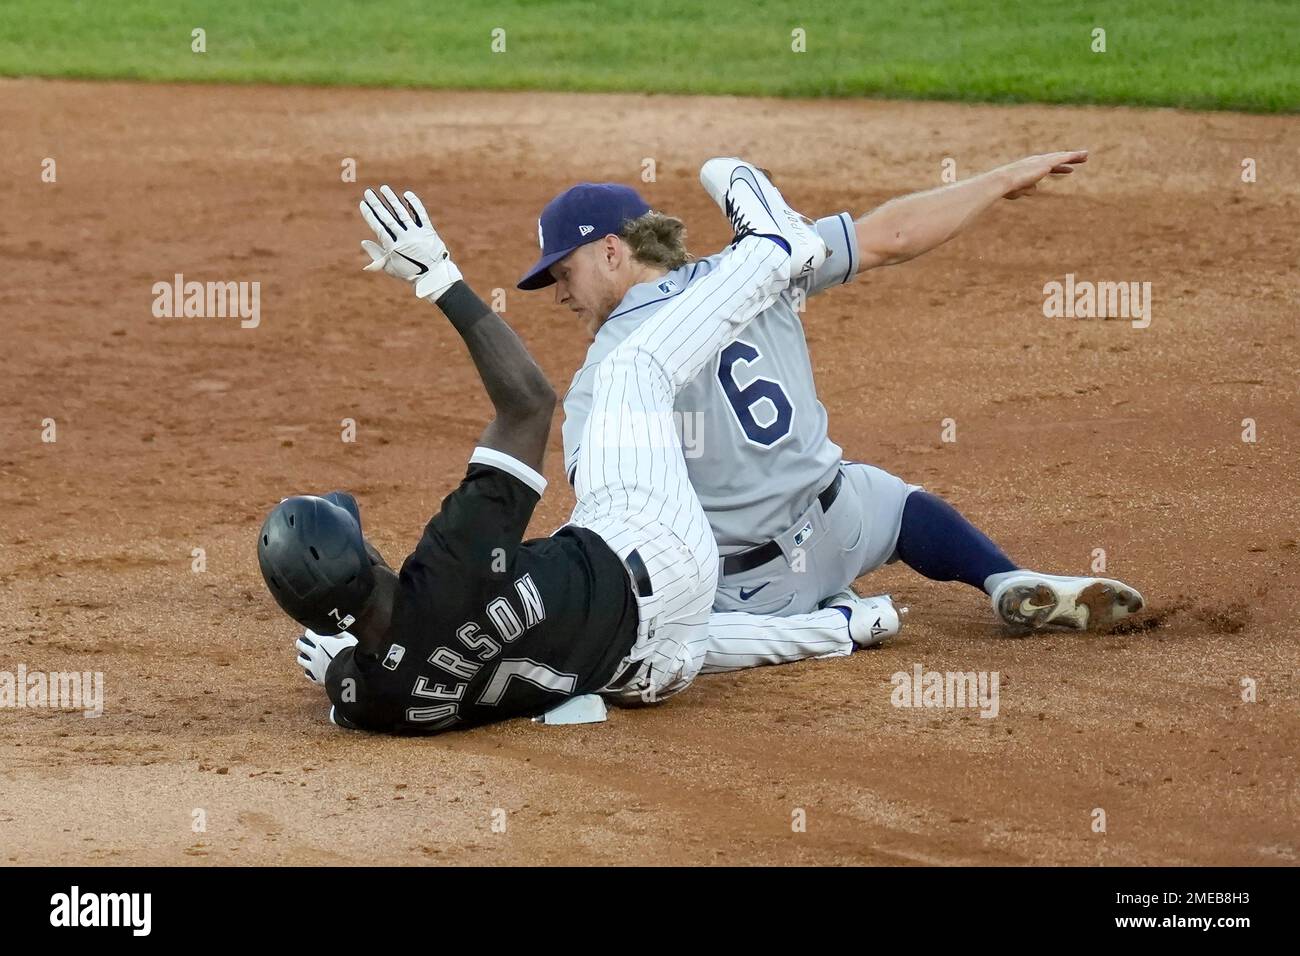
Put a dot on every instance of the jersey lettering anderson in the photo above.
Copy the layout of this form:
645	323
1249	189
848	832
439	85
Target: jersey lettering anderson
487	625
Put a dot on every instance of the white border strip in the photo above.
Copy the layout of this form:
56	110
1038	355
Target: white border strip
851	235
510	465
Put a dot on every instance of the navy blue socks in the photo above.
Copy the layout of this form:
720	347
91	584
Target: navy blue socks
936	541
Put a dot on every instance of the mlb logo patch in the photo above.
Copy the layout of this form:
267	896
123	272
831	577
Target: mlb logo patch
667	287
394	656
803	534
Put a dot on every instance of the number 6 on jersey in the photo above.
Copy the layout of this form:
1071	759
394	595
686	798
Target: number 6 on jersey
746	401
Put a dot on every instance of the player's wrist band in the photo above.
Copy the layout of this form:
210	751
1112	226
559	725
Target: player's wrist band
462	306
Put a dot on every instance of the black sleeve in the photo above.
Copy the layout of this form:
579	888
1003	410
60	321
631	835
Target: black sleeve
481	523
359	701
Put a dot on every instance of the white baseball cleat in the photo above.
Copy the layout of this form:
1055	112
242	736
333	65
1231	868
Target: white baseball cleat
871	619
756	208
1029	601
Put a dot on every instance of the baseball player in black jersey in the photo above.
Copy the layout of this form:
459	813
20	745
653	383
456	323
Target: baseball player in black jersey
480	625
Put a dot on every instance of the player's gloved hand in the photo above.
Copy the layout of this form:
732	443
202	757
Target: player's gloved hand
315	651
408	247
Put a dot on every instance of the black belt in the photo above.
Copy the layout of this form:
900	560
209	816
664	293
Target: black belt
624	677
639	574
743	561
641	577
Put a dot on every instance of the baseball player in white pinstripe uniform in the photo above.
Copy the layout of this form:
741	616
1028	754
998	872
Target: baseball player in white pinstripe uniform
795	524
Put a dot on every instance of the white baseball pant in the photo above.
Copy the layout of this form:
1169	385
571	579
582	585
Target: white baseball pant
631	480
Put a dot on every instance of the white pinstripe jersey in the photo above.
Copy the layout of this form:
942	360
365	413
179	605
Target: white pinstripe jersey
752	428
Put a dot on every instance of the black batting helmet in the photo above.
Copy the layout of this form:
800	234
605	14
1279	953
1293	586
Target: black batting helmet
314	560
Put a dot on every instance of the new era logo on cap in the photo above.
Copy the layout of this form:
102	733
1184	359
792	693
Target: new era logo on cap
585	213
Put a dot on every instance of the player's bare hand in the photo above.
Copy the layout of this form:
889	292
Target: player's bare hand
409	248
316	651
1023	176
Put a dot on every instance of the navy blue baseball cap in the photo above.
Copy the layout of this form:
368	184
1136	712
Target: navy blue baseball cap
585	213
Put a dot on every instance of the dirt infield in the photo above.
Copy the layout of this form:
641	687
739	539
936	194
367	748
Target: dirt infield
175	434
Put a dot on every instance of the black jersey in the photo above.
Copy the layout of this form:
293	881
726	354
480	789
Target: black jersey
487	626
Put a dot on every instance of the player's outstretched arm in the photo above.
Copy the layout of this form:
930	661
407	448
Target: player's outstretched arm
410	249
524	400
906	227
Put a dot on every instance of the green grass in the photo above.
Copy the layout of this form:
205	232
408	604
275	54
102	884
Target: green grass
1196	54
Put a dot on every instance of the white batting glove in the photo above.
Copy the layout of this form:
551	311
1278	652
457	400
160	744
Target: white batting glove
315	651
408	247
